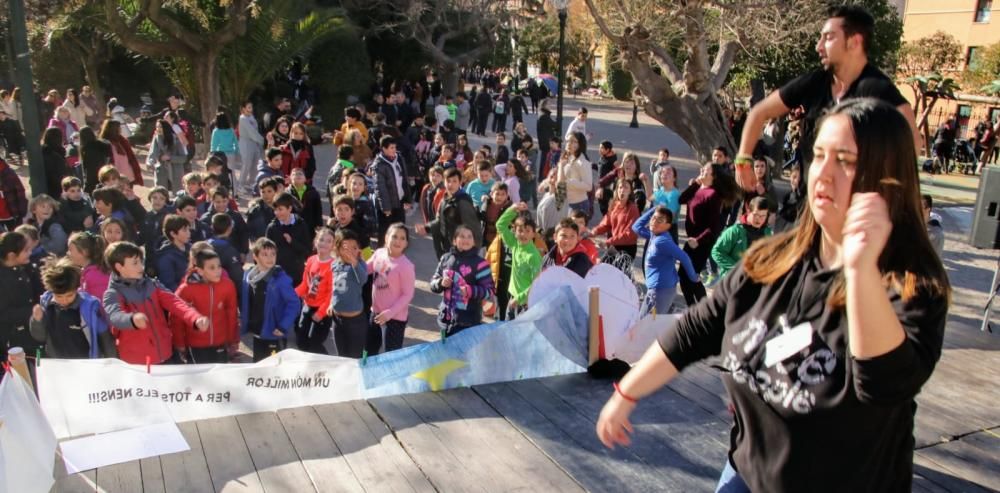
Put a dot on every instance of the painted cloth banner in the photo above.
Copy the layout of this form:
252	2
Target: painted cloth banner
82	397
550	338
27	445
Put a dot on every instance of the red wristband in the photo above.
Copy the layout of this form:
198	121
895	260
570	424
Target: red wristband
624	395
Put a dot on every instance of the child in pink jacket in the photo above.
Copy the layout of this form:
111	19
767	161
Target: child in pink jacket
394	278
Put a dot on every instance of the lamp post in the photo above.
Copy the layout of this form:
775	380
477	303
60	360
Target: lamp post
561	6
29	106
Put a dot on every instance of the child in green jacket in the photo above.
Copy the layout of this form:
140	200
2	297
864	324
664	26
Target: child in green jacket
526	260
737	238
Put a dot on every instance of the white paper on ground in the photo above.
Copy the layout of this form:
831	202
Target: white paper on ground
91	452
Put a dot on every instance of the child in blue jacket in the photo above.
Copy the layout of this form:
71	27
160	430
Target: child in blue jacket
662	255
268	304
70	323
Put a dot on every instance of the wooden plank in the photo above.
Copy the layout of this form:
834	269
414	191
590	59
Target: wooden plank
277	464
436	459
400	458
942	476
152	475
81	482
974	458
320	456
125	477
484	425
567	437
369	449
227	457
186	472
712	403
478	457
670	431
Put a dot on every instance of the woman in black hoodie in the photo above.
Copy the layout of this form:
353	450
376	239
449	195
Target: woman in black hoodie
827	332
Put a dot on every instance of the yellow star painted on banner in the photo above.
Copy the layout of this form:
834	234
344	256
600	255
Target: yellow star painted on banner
437	374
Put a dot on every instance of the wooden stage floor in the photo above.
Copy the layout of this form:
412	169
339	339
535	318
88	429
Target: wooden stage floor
538	435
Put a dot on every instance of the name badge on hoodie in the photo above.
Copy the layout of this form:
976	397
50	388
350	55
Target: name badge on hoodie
788	344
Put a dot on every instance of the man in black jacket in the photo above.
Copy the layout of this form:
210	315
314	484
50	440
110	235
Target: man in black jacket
392	187
484	106
546	128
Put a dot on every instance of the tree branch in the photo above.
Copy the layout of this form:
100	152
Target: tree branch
601	23
723	62
126	33
170	27
236	26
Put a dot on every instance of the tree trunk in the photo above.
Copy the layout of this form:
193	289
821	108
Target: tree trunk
923	121
701	125
206	69
91	69
449	78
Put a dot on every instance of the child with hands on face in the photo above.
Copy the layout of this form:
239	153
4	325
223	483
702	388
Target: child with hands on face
350	322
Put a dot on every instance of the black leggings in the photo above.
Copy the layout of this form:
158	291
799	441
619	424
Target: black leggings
693	289
310	334
394	331
262	348
217	354
350	334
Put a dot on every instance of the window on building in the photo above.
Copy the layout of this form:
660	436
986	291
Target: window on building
983	8
972	56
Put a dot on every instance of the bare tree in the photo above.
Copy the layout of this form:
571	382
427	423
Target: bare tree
680	52
167	29
451	32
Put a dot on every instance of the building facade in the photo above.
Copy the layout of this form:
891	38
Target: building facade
975	24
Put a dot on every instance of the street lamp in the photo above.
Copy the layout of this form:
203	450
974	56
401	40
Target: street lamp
561	6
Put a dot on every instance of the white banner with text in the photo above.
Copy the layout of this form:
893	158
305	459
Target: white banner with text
81	397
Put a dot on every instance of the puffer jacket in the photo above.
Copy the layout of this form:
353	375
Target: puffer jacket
471	283
12	192
171	265
387	196
281	306
20	293
218	302
92	321
127	297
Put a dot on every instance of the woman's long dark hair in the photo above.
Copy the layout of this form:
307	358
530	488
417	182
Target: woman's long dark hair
87	138
167	132
52	138
885	165
74	100
222	121
725	185
581	140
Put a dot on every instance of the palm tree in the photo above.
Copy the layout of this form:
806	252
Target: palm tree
930	88
991	89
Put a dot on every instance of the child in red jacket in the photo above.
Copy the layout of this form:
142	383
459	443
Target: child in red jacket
617	224
316	291
211	292
135	306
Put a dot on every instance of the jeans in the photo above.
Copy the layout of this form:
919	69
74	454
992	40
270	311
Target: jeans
584	206
168	175
730	481
659	299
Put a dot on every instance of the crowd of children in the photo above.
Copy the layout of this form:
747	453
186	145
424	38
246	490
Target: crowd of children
181	281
